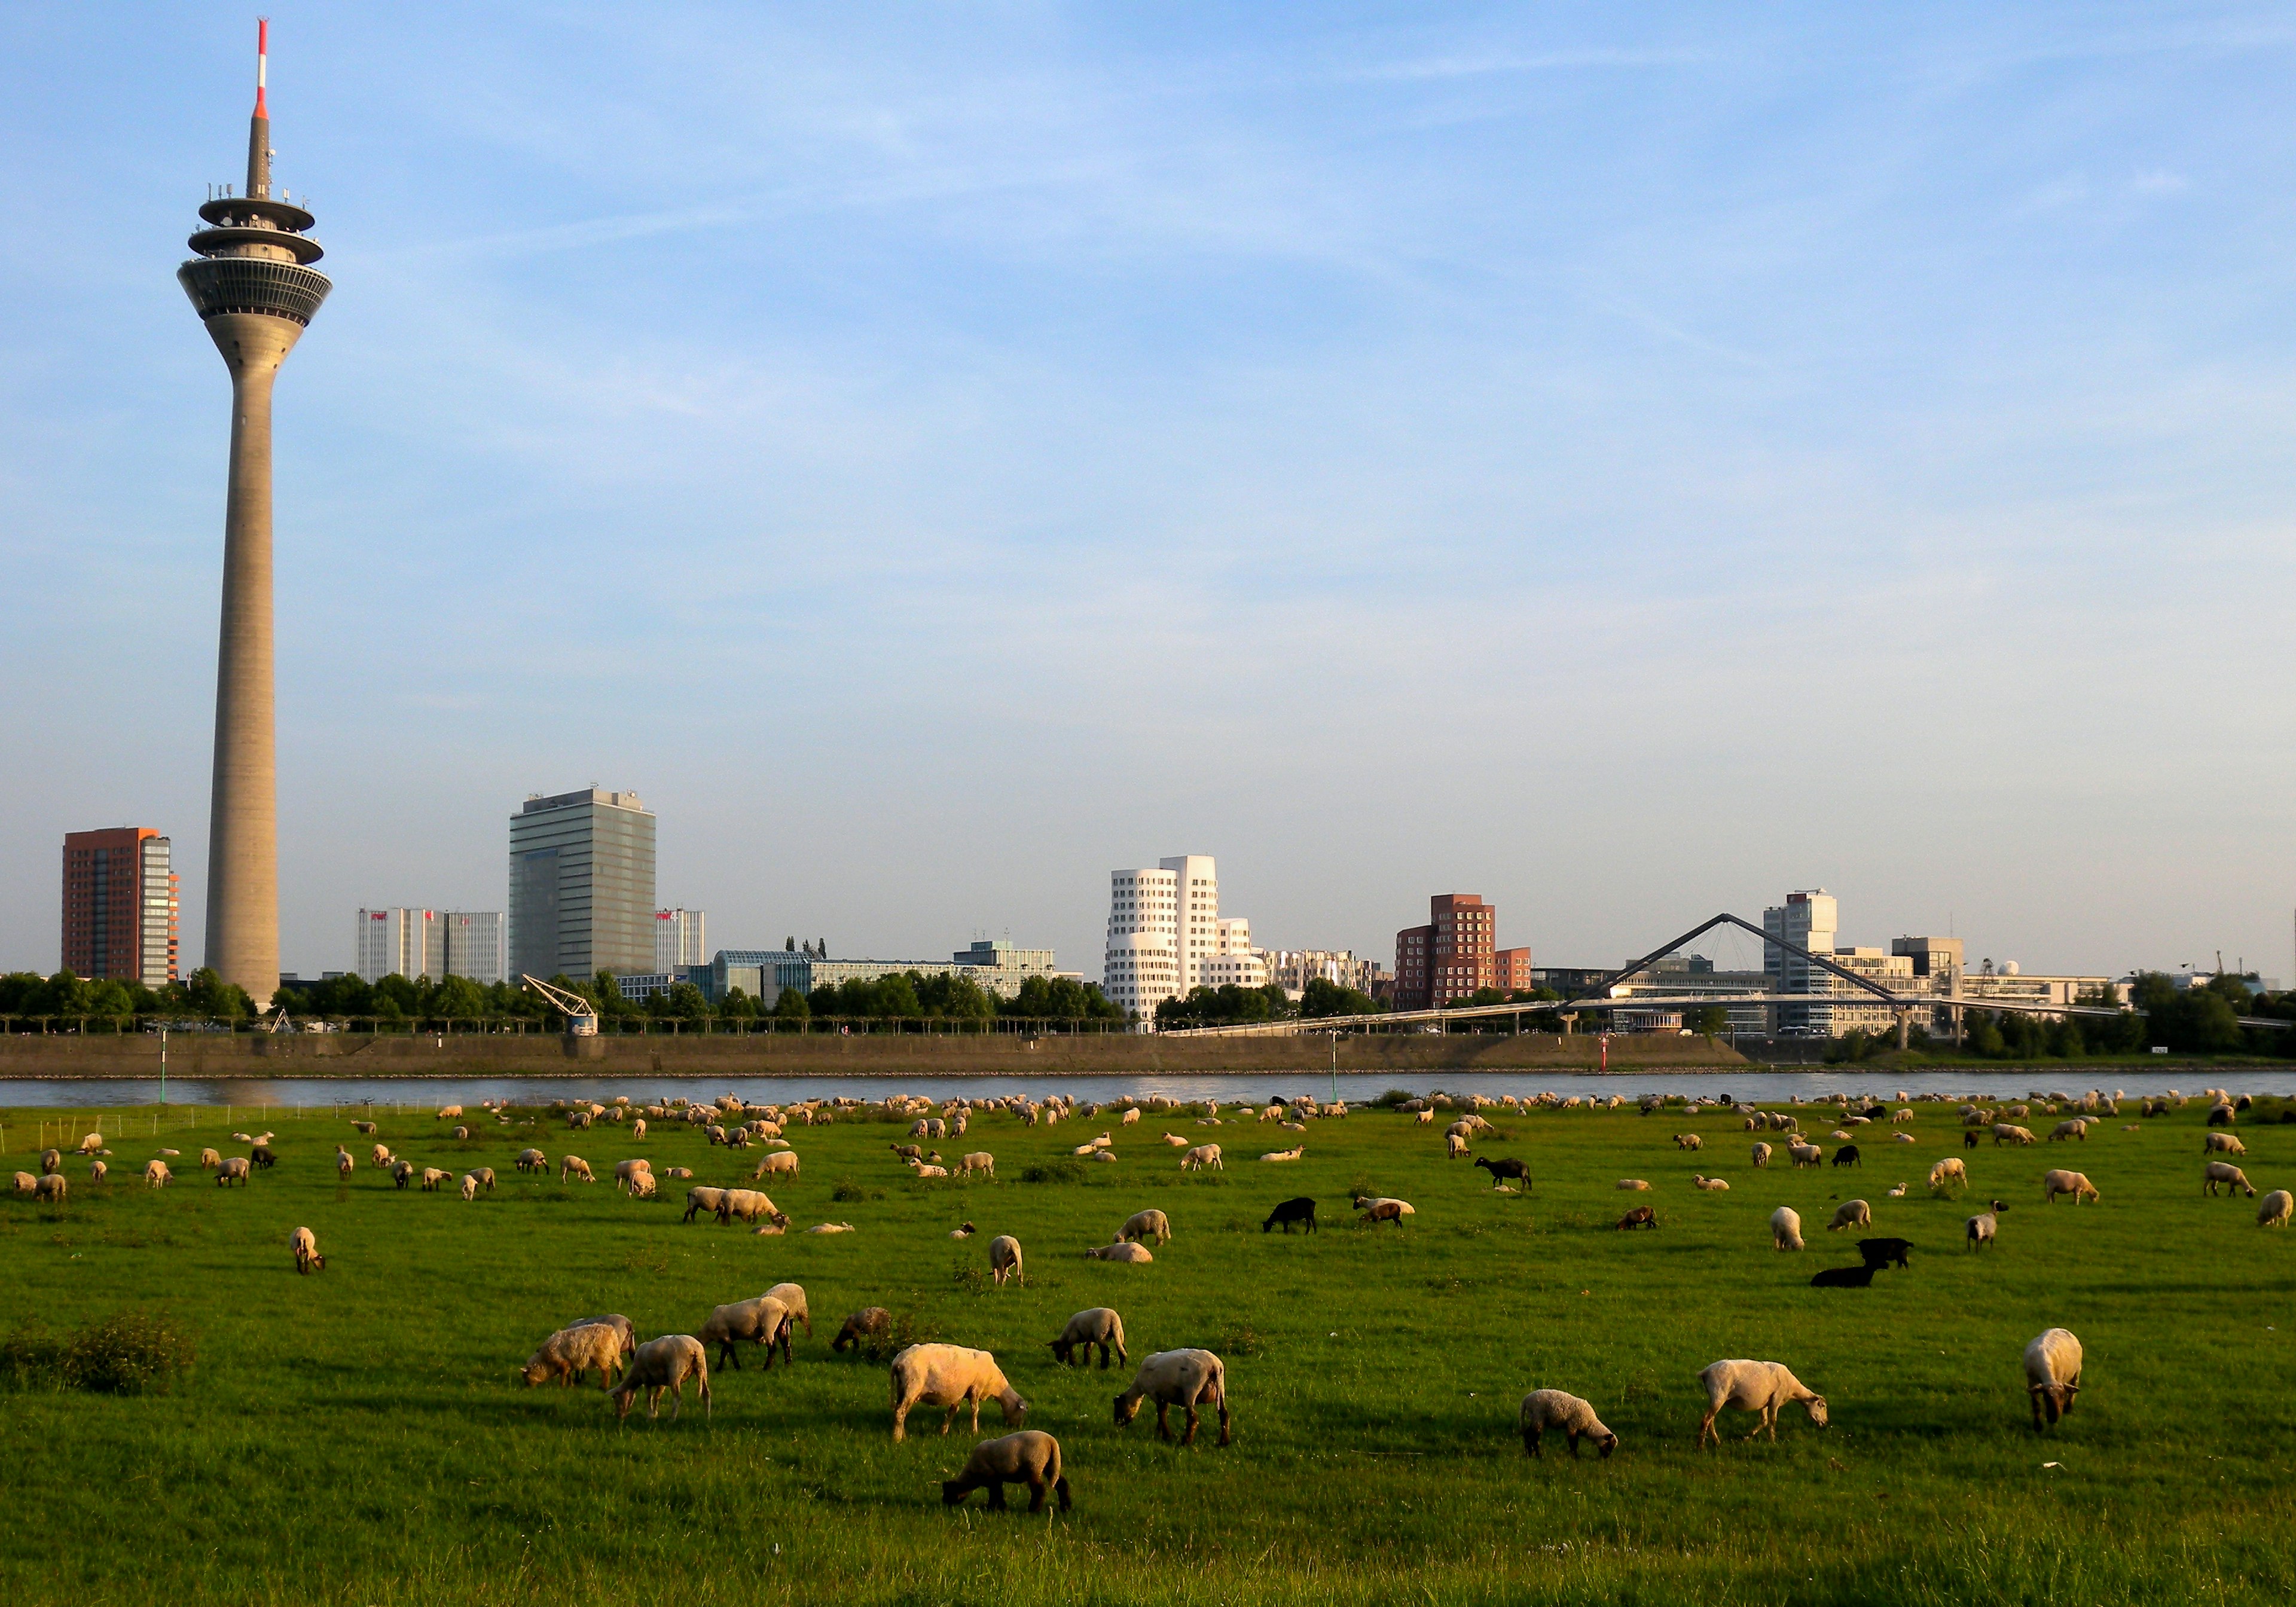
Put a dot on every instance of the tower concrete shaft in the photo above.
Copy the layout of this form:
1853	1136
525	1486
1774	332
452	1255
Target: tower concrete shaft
255	289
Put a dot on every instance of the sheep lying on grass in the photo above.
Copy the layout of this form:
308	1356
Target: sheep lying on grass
1860	1277
1137	1255
1029	1457
951	1376
1100	1326
1552	1409
1750	1386
665	1363
1186	1378
1382	1209
2053	1374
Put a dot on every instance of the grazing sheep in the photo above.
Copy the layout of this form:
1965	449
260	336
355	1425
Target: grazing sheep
2053	1375
155	1174
533	1160
2278	1206
1545	1409
1382	1209
364	1129
27	1185
1712	1186
1029	1457
1454	1146
582	1118
380	1156
1948	1174
2220	1116
433	1177
1980	1230
1136	1254
305	1243
1682	1140
262	1155
1005	1260
49	1161
1851	1213
2222	1143
1847	1155
1100	1326
96	1171
235	1170
2228	1175
698	1200
1785	1228
1500	1170
575	1166
951	1376
1885	1252
779	1163
749	1205
763	1321
449	1113
2078	1128
1761	1154
51	1189
1642	1215
469	1187
623	1170
572	1351
1203	1155
665	1363
1806	1154
865	1324
1860	1277
1901	1116
1143	1226
2055	1183
1185	1379
1287	1211
209	1160
643	1187
1749	1386
979	1162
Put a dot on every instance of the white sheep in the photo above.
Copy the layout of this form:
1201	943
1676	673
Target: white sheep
1136	1254
237	1169
2278	1206
763	1321
1750	1386
1100	1326
665	1363
2055	1183
1285	1154
1005	1259
533	1160
574	1166
1785	1228
305	1243
792	1298
1851	1213
1142	1225
1175	1141
2053	1375
1948	1174
209	1160
748	1204
96	1171
2222	1143
433	1177
1552	1409
1203	1155
1761	1154
1029	1457
1634	1184
623	1170
572	1351
1805	1154
1981	1229
1382	1209
51	1189
1186	1378
1712	1186
702	1199
951	1376
778	1163
827	1227
2076	1128
1896	1191
155	1174
470	1188
2230	1176
981	1163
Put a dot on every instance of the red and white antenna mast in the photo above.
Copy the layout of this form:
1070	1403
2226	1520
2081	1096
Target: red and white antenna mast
259	127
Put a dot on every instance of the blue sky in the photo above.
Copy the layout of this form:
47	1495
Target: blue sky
1627	463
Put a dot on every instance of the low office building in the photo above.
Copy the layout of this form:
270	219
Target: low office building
999	969
1292	969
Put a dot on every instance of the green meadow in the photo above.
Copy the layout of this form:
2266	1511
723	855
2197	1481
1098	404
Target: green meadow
358	1436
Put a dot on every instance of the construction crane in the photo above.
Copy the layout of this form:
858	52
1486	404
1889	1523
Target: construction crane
581	1015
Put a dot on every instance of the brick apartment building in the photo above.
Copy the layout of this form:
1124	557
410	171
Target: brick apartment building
1456	954
119	907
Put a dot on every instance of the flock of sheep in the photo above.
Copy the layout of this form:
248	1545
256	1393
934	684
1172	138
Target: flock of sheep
956	1379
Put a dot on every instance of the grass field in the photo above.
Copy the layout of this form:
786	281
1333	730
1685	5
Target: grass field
358	1437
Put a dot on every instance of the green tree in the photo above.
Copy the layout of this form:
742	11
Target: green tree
1707	1021
1324	997
458	999
792	1007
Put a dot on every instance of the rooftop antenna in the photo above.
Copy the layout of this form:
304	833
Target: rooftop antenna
259	126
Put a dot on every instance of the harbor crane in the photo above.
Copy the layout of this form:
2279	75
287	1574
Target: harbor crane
581	1015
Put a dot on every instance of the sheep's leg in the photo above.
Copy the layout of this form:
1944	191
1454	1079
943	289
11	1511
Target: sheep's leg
1530	1442
2035	1397
1573	1436
1706	1427
949	1421
996	1494
1163	1428
1036	1488
900	1421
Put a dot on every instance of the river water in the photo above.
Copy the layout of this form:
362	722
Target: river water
279	1094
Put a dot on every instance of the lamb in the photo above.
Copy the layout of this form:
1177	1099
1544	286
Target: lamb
1382	1209
1102	1326
2053	1375
623	1170
951	1376
1785	1228
1181	1378
1287	1211
1135	1254
1851	1213
570	1352
1454	1146
576	1166
1500	1171
96	1171
1285	1154
51	1189
643	1186
2278	1206
1712	1186
470	1188
863	1324
665	1363
1143	1226
763	1321
747	1204
1634	1184
1947	1174
1750	1386
1029	1457
1761	1154
2222	1143
2228	1175
1203	1155
698	1200
1642	1215
778	1163
1896	1191
827	1227
50	1161
433	1177
1885	1252
1545	1409
981	1163
484	1176
305	1243
792	1298
1980	1230
2055	1183
209	1160
533	1160
1860	1277
1005	1260
1682	1140
155	1174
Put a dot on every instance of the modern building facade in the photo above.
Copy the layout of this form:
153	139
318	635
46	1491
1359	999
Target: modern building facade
119	907
581	885
1292	969
475	945
399	942
1164	929
677	940
255	290
1455	955
765	974
1810	920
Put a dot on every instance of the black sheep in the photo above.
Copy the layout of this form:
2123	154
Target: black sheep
1302	1209
1969	1139
1844	1277
1501	1169
263	1157
1885	1252
1847	1155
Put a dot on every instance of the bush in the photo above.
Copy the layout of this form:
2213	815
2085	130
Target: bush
906	1329
1066	1170
1241	1339
848	1193
1393	1097
127	1353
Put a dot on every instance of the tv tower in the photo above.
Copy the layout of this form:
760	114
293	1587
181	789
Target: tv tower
255	289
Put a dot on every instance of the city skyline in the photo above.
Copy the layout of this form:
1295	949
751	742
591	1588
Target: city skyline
1918	376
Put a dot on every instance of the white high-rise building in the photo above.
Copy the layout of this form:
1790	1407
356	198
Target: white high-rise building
1165	936
677	940
477	945
409	943
1811	922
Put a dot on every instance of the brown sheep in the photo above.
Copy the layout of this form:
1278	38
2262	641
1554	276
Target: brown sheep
1029	1457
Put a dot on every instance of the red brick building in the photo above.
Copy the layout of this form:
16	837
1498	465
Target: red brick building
119	907
1456	954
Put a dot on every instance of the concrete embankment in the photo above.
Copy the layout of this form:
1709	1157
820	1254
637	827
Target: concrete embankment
358	1054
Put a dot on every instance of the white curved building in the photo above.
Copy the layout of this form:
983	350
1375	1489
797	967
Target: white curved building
1165	936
